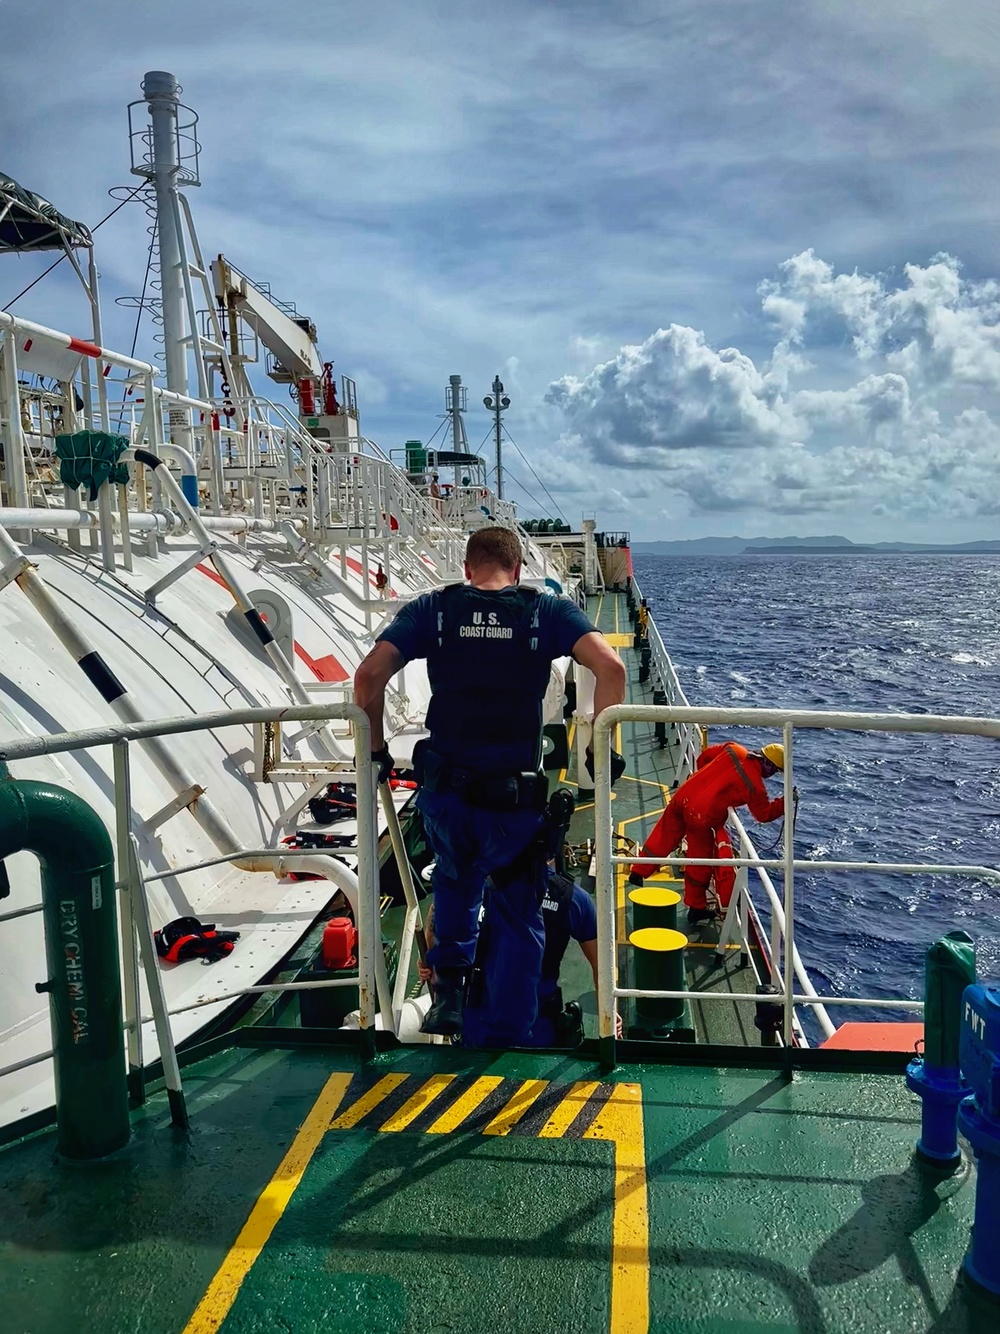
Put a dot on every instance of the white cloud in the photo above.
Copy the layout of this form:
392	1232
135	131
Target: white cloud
917	439
671	392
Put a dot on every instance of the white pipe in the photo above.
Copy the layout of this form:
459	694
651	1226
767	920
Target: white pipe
8	321
330	868
161	521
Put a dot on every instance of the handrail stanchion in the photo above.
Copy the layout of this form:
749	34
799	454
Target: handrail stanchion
789	873
130	962
413	922
368	933
607	972
154	982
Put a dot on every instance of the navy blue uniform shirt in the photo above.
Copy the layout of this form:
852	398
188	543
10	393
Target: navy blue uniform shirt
574	918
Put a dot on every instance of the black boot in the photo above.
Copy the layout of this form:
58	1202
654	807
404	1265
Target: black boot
444	1018
699	917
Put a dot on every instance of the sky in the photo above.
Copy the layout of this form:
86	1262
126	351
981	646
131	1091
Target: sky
737	262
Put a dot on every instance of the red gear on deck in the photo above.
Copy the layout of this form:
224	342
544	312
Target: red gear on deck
726	776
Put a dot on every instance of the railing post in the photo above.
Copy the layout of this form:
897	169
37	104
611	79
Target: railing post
368	926
154	983
789	872
130	962
607	971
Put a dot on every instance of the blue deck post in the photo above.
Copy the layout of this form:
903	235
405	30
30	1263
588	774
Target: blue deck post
979	1122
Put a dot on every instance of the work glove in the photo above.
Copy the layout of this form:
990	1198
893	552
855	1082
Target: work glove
617	765
636	879
795	794
385	763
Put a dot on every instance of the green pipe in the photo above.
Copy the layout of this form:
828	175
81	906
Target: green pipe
949	967
81	951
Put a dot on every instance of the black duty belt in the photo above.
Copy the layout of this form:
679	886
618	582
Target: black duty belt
490	791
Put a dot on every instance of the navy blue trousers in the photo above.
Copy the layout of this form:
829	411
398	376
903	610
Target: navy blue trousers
468	843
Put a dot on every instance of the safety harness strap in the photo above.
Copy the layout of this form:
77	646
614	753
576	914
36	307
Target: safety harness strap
734	756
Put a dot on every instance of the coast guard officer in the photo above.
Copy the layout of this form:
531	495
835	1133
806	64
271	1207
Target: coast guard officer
489	647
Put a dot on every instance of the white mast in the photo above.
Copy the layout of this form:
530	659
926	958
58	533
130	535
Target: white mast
455	401
161	163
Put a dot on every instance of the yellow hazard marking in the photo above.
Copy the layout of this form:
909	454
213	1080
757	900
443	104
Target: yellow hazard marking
213	1308
368	1101
477	1092
619	641
620	1120
422	1099
568	1110
504	1122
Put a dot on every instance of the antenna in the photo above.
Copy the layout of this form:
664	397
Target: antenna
498	403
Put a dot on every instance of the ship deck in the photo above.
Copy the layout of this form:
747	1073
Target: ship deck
692	1189
441	1190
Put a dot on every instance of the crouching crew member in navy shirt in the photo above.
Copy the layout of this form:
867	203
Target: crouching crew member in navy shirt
489	647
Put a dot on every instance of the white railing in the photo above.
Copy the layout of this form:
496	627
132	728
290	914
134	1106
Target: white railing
371	980
664	673
791	971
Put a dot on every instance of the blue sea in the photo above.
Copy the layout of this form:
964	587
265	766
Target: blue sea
894	633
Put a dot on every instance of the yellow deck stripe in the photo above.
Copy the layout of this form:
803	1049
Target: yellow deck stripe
376	1094
619	641
213	1308
620	1120
423	1098
504	1122
477	1092
568	1110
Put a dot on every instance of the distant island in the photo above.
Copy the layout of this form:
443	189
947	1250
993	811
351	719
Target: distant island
809	546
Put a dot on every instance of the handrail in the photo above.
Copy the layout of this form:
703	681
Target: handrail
788	720
370	979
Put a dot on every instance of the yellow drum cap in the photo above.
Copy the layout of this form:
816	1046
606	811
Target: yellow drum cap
651	897
658	938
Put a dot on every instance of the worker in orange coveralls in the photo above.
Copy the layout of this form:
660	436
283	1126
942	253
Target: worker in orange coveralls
727	775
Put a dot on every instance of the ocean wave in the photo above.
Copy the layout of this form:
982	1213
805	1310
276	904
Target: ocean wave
893	635
970	660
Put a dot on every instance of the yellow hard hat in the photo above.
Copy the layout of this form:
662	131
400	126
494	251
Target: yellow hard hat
775	752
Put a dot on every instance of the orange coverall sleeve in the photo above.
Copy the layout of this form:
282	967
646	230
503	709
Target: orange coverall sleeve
762	808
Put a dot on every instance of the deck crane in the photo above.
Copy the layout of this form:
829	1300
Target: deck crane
290	338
